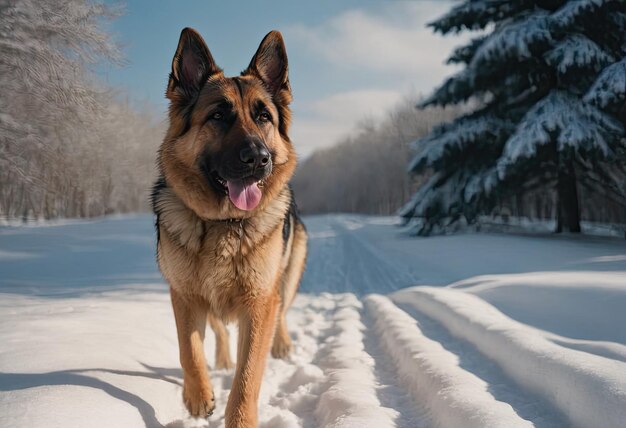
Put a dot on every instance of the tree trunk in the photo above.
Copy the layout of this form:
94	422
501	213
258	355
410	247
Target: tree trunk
568	208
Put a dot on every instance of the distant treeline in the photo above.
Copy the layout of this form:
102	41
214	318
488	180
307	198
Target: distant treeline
366	172
68	146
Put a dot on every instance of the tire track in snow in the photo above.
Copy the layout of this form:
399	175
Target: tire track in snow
331	380
355	264
391	392
585	387
347	262
446	394
300	380
503	389
350	396
365	269
367	272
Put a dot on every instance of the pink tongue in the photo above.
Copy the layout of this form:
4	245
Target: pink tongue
244	195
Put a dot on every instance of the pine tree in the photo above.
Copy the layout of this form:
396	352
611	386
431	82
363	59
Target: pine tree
549	77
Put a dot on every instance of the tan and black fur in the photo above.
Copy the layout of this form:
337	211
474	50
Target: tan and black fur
224	263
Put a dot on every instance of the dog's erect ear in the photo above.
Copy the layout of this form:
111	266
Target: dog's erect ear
191	67
269	64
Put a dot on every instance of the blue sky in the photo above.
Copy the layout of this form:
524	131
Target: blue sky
348	59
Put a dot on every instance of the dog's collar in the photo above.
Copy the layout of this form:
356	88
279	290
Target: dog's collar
229	221
233	222
225	220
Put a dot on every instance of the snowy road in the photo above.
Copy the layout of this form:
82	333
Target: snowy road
502	331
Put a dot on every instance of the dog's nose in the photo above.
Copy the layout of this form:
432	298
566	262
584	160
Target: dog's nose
255	156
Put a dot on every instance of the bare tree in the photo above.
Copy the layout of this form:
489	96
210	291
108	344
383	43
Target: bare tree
68	147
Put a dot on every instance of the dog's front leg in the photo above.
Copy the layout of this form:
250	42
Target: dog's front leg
222	344
191	319
256	329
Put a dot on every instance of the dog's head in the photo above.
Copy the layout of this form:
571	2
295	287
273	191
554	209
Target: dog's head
227	153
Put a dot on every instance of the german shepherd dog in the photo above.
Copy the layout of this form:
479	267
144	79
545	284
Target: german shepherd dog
230	242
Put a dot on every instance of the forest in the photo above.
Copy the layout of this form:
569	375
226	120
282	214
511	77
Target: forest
532	126
544	137
366	171
70	146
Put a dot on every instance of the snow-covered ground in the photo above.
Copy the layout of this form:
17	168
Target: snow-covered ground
472	330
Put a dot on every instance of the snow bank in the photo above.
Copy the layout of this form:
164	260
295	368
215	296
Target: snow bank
580	305
452	396
587	388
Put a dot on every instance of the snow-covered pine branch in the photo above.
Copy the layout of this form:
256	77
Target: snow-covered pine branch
453	140
577	51
514	41
464	54
561	119
609	89
475	15
550	80
572	12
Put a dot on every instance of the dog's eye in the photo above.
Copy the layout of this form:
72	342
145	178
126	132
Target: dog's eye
218	115
265	117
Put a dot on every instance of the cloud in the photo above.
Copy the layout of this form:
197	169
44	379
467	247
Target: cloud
393	40
364	61
354	105
325	121
309	135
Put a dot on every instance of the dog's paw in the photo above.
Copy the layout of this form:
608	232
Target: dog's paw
200	402
281	347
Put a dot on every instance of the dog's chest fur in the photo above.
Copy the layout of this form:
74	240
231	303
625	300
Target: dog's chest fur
225	261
